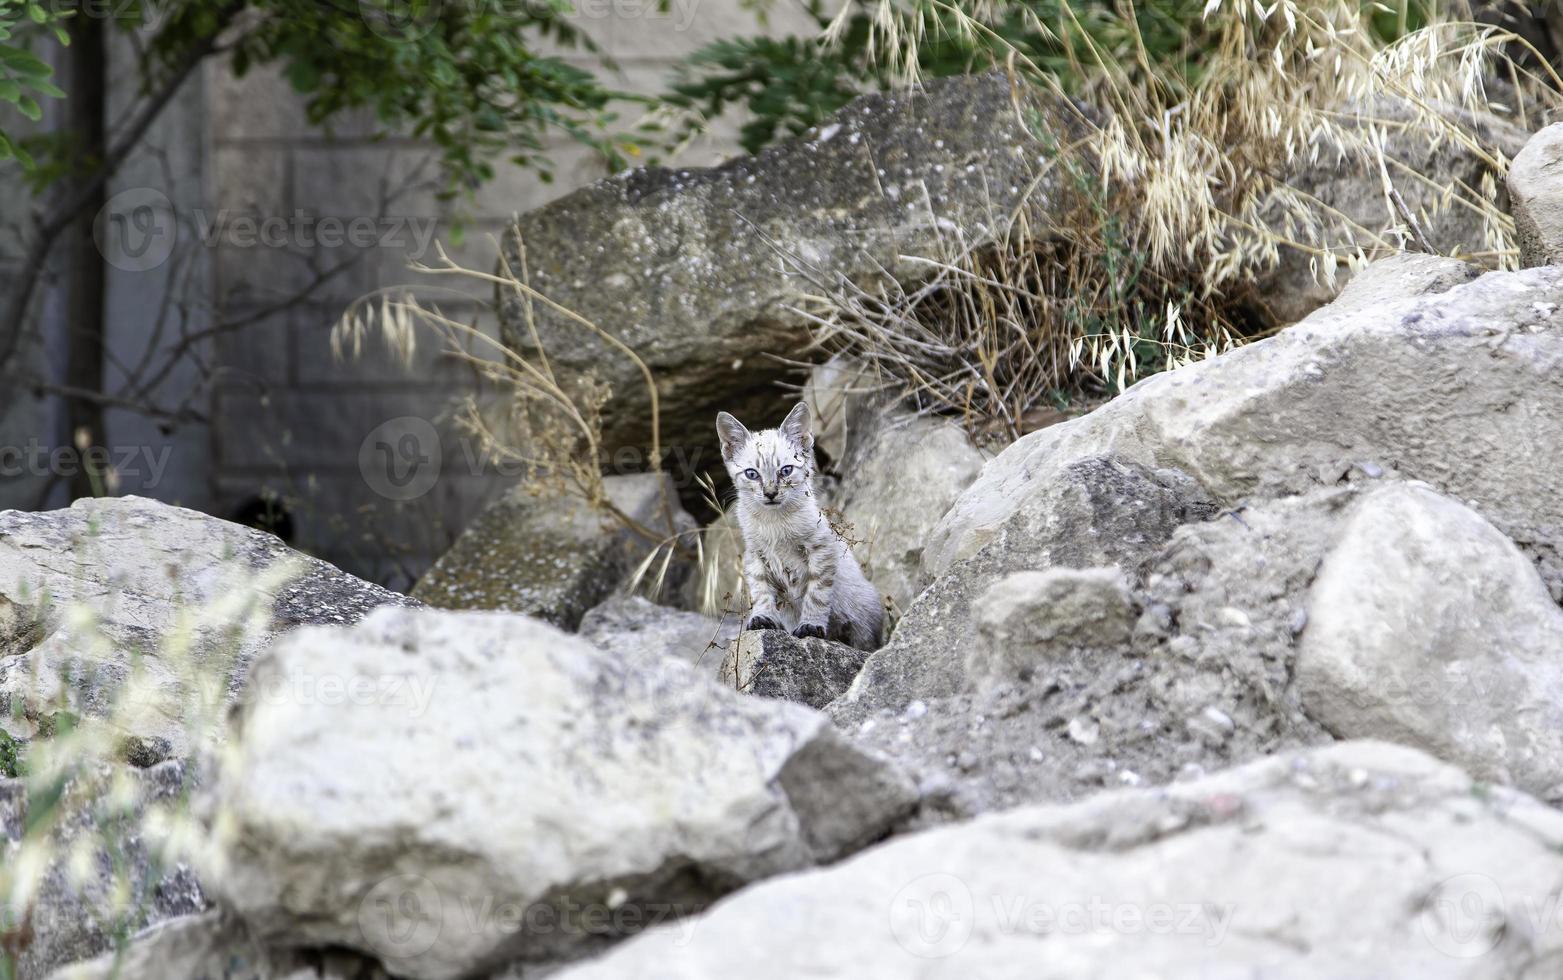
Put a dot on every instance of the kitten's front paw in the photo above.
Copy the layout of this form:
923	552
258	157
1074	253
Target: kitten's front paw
809	629
763	623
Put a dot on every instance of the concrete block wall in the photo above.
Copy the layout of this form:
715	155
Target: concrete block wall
158	300
291	420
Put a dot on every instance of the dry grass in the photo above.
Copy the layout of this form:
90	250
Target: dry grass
548	426
81	803
1184	192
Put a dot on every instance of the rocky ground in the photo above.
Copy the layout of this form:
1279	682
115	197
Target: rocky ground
1252	671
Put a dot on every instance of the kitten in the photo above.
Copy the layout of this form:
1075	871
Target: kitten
800	572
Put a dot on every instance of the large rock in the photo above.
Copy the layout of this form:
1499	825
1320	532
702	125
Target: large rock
1536	197
1096	511
142	617
846	399
895	488
684	268
481	788
1378	608
1056	702
1428	873
92	861
628	625
1395	277
555	559
213	946
1455	389
1428	627
1027	620
775	664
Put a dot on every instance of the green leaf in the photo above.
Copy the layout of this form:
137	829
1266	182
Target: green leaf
47	88
9	90
30	108
24	63
304	76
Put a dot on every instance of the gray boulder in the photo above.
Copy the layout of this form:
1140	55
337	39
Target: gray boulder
109	869
555	559
1395	277
1059	712
1096	511
1029	619
1444	388
1536	197
775	664
632	792
1427	626
896	486
1378	608
214	946
628	625
683	266
120	596
1223	876
846	399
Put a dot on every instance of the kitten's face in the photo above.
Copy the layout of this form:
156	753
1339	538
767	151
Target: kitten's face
772	467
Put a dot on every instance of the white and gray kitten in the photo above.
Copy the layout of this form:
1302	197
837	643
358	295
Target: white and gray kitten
801	574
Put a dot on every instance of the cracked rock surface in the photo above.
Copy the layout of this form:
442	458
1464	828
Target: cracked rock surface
633	791
100	593
1357	859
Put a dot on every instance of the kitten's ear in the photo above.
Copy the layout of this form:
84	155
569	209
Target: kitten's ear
796	426
732	434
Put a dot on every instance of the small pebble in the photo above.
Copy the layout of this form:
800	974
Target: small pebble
1083	730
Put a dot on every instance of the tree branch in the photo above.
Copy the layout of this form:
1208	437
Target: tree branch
80	194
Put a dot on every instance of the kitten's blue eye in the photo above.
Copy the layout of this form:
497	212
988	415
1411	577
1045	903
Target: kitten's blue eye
752	474
784	471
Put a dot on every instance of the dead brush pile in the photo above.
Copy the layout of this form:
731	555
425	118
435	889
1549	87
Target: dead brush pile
1198	178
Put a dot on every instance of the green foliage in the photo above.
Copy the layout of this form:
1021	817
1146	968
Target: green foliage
24	77
463	74
790	84
460	74
10	756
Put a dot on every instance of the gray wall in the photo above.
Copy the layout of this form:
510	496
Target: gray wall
287	418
